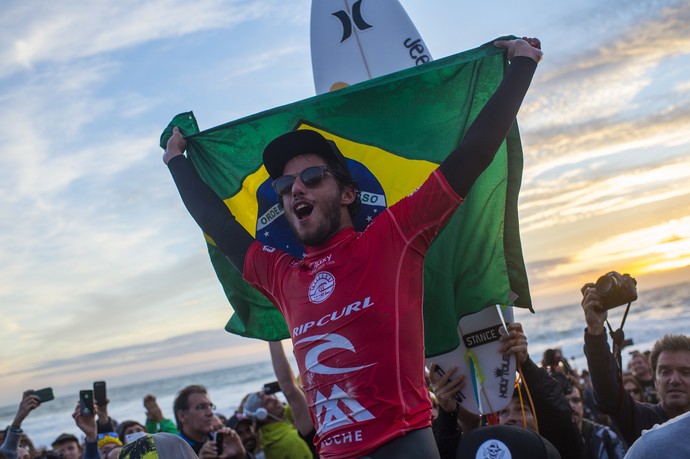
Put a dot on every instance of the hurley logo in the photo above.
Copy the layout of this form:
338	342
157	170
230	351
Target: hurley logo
357	18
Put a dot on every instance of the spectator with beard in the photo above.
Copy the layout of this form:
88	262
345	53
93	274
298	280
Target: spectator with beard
600	441
246	430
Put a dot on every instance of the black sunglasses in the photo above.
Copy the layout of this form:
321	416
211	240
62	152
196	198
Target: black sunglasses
311	177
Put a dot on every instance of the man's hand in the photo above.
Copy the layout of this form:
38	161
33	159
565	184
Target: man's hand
232	445
102	410
176	146
29	403
208	451
525	46
515	342
444	388
595	313
153	411
86	424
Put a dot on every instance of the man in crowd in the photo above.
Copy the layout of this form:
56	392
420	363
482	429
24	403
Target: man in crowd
194	416
670	360
196	420
553	420
246	429
600	442
642	371
365	399
69	445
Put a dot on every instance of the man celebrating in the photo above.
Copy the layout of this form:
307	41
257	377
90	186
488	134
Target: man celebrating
670	358
353	304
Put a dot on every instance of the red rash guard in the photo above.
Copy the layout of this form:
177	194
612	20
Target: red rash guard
354	309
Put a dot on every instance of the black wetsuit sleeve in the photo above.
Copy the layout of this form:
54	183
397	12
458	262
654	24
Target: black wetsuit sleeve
446	433
553	411
484	137
210	212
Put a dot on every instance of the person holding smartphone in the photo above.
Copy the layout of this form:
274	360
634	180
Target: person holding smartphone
11	446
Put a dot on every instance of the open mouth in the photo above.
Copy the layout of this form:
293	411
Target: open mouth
302	210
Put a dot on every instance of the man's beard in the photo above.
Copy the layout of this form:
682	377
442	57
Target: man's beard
326	228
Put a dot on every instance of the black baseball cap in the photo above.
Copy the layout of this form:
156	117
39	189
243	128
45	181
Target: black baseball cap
505	441
235	420
63	438
300	142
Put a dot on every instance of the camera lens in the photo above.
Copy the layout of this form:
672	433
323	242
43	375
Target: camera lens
606	285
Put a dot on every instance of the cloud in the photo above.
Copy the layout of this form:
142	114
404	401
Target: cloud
70	30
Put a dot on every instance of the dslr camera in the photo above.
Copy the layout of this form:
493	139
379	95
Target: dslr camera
616	289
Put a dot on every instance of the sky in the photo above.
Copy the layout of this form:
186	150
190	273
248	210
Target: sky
103	275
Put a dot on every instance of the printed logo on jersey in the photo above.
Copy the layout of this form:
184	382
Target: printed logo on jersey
321	287
345	311
331	341
493	449
321	262
378	177
339	410
269	249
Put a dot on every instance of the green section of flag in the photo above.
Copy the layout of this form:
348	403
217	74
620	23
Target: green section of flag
419	113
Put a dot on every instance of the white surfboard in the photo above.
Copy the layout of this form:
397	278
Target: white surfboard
489	375
356	40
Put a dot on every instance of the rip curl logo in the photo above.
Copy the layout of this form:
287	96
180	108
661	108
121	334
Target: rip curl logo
321	287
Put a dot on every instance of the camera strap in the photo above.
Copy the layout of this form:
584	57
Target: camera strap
618	337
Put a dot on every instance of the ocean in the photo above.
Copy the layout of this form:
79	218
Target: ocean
655	313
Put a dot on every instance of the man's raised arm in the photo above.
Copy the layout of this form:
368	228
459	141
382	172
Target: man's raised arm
207	209
481	142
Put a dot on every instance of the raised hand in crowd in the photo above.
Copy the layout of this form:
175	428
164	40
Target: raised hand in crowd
232	447
515	342
29	403
595	312
87	424
10	446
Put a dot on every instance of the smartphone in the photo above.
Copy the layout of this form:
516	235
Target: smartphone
44	395
219	443
99	393
271	388
86	402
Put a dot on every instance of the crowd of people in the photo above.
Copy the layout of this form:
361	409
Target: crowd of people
363	391
565	410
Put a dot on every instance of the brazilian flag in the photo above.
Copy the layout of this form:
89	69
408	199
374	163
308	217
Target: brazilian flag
393	130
